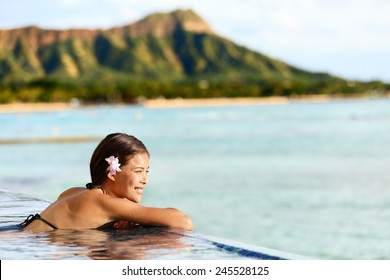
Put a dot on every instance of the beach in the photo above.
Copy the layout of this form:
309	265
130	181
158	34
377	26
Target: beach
151	103
19	107
33	107
244	101
212	102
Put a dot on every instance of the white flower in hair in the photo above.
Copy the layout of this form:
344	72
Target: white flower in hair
114	165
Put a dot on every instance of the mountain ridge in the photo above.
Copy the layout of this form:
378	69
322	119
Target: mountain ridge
177	48
175	26
157	24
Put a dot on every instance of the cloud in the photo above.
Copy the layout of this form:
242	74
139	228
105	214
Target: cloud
286	21
69	3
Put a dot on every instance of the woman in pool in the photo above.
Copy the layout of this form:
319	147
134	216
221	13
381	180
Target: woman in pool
119	168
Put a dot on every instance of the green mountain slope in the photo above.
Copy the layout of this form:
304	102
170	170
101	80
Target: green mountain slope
170	51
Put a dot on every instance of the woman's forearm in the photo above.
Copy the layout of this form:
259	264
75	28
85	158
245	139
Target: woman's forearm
180	220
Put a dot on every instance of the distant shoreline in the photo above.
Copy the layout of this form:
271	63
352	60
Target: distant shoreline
181	102
208	102
245	101
33	107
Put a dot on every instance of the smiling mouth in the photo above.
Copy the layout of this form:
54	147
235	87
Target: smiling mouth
139	190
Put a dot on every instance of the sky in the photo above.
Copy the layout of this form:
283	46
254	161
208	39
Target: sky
346	38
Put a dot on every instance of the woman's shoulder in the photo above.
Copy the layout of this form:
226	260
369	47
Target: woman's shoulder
71	191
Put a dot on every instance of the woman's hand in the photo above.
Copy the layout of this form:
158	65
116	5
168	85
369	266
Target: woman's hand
180	220
125	225
124	210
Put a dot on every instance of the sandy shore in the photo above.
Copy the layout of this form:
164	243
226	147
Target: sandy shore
240	101
33	107
207	102
178	102
153	103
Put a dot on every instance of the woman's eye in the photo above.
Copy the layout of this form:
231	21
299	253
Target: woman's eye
141	171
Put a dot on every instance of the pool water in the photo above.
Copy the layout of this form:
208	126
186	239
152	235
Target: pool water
144	243
303	177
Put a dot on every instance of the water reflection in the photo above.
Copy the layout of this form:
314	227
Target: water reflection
143	243
111	244
136	244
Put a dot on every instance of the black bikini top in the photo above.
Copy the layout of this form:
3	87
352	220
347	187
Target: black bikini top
32	218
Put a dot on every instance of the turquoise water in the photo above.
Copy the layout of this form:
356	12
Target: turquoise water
142	243
307	178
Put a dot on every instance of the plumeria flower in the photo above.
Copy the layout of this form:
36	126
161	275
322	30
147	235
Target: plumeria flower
114	165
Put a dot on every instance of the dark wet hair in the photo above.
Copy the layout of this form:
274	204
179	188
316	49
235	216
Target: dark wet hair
119	145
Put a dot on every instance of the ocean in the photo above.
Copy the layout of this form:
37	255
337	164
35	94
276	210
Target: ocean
309	178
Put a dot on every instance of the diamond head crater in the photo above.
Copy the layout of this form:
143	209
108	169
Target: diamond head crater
164	55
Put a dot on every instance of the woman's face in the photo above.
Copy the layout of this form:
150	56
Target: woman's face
130	183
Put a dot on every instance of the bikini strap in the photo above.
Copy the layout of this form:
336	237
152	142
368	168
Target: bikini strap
46	222
32	218
27	221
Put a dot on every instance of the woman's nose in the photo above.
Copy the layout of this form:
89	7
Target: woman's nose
144	179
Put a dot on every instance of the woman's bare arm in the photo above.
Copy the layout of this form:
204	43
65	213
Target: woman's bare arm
123	209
